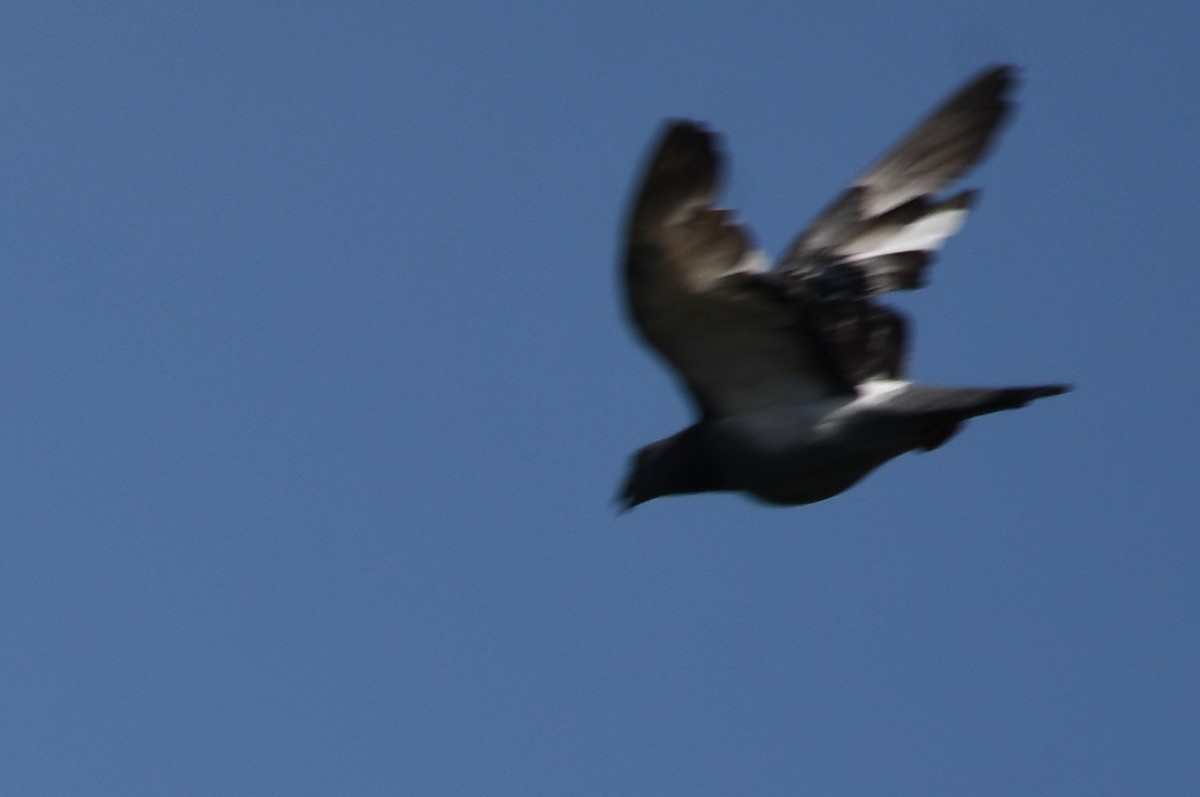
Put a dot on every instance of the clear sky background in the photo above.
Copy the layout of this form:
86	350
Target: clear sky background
316	388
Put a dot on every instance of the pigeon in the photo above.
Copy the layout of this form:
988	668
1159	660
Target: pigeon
798	371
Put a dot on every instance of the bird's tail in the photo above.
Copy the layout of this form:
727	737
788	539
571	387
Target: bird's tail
961	403
988	400
945	409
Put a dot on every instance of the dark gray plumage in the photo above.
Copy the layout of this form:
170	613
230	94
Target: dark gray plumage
798	372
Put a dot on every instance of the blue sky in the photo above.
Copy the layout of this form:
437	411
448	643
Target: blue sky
317	388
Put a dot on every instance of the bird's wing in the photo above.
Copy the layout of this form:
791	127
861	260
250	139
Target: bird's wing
697	293
883	231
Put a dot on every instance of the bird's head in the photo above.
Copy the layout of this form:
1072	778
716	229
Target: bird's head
673	465
645	479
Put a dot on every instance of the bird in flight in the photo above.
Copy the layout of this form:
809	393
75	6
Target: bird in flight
798	372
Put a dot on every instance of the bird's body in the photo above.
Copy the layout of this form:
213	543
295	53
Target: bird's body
797	372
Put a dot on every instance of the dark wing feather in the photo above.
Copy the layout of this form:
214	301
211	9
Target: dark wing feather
739	341
882	232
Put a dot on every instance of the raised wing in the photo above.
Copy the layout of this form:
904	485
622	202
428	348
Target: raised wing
697	295
882	232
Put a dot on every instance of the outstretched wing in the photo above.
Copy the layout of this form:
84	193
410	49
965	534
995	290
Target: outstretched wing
882	232
697	294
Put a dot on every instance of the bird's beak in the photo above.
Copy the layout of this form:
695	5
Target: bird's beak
625	499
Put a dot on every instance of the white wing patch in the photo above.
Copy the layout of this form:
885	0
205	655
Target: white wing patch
878	390
925	234
755	261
